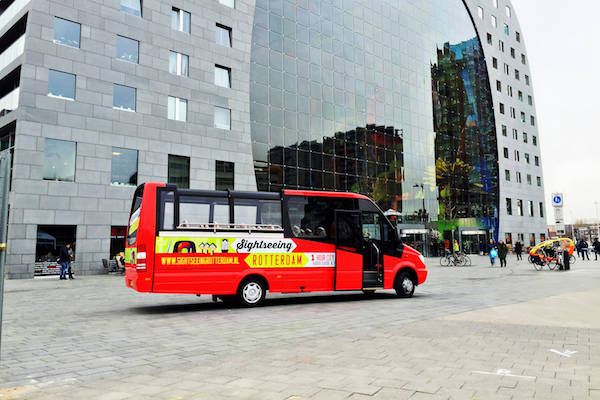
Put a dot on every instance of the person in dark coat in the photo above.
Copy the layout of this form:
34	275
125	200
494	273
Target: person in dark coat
584	250
70	271
64	259
519	250
502	253
596	246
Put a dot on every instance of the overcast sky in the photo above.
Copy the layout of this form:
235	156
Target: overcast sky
562	44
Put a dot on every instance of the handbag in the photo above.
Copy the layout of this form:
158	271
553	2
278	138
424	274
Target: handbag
493	253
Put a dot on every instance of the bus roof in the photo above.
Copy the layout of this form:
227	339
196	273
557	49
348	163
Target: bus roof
324	194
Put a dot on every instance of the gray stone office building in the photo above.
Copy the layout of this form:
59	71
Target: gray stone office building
392	99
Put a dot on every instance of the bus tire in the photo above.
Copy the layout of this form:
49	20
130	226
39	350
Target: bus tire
404	285
252	292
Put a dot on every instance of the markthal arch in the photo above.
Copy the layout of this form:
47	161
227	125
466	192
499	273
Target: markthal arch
387	98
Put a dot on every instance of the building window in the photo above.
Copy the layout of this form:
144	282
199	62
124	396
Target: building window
509	90
512	52
495	3
124	167
495	62
501	108
51	238
499	86
508	13
228	3
521	236
520	208
178	63
61	85
179	171
532	119
536	161
520	96
222	76
534	140
494	21
224	173
529	179
127	49
515	134
539	181
508	206
530	100
223	36
506	69
518	36
527	80
517	158
523	119
489	38
518	176
532	239
222	118
480	12
124	97
524	137
177	109
541	210
507	175
133	7
506	30
508	236
523	60
501	46
513	112
530	208
59	160
517	75
527	158
504	130
67	32
506	152
180	20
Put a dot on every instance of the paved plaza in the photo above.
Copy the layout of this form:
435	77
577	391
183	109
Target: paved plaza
469	333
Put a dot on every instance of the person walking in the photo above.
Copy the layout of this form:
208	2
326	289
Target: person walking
584	250
70	263
596	246
519	250
493	252
502	253
578	247
64	258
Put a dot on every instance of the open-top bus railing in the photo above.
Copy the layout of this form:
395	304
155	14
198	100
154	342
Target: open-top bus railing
215	227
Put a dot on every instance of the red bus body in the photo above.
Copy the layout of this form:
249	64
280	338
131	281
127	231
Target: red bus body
167	254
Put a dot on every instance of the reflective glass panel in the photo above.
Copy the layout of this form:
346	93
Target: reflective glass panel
223	35
222	118
133	7
124	167
59	160
67	32
127	49
61	84
179	171
124	97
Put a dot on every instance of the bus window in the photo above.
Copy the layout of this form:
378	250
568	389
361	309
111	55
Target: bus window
134	219
371	227
195	211
257	211
167	217
313	217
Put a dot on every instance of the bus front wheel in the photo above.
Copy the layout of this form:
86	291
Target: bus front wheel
251	292
404	285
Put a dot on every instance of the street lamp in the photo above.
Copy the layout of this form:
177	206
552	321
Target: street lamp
423	191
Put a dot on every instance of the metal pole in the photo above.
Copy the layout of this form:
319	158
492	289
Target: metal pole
5	171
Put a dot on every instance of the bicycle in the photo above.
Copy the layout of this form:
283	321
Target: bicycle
455	259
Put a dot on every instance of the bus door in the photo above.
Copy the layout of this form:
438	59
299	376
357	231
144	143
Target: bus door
373	250
348	251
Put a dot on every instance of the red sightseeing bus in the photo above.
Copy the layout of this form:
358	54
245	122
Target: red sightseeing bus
239	245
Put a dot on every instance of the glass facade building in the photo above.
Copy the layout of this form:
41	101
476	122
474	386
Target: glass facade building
389	99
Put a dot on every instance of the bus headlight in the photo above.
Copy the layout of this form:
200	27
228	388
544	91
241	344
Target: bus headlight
422	258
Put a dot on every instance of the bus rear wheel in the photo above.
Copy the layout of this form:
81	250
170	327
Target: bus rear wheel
404	285
251	292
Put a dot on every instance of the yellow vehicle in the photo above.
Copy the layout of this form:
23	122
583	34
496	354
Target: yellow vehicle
550	253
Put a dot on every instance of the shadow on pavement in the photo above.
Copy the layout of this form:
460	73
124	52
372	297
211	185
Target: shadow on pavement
269	302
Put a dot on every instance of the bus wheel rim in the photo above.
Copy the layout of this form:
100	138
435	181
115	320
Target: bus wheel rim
407	285
252	292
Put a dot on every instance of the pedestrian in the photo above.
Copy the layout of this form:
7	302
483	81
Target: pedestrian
64	258
70	263
502	253
493	252
578	246
596	246
584	250
456	247
519	250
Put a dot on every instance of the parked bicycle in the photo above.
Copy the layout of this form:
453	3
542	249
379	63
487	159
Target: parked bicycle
455	259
